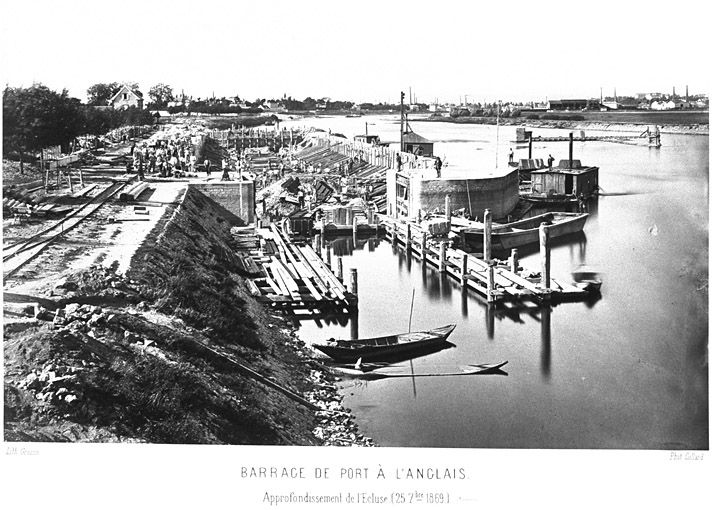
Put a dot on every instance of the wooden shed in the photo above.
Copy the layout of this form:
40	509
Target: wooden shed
562	180
369	139
416	144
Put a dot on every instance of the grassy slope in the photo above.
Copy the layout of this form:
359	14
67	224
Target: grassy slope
142	375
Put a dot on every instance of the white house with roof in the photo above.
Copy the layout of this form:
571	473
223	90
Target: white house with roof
126	98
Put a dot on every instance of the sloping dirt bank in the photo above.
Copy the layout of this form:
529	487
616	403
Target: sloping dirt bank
159	354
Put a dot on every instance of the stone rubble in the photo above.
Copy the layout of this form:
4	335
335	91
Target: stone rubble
337	426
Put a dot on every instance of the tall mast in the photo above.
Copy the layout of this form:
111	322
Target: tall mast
496	147
402	98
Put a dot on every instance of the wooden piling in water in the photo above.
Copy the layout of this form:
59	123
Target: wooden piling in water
355	222
463	271
545	252
490	281
328	258
407	237
354	281
340	268
487	242
514	261
495	282
448	211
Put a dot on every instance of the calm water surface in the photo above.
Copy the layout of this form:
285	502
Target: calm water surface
628	371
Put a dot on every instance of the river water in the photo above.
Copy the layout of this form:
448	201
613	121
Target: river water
627	371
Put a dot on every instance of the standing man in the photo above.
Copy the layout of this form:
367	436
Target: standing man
551	161
511	155
581	203
399	161
206	165
226	171
438	166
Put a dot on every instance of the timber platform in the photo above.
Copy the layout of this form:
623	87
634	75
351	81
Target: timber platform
496	281
292	277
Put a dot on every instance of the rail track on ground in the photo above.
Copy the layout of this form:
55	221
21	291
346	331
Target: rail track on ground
18	254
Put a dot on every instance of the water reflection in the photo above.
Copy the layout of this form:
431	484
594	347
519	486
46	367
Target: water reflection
445	287
577	238
577	250
343	246
489	320
354	325
545	317
671	186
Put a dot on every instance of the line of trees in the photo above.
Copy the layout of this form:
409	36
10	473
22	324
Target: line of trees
36	117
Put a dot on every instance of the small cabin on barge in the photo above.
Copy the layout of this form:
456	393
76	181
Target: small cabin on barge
566	179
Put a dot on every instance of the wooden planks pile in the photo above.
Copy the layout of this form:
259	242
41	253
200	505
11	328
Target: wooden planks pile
293	277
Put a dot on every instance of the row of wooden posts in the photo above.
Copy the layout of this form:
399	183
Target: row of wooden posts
543	288
325	255
66	173
376	155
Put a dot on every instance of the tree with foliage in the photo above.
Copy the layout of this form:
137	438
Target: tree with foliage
37	117
309	103
100	93
99	121
160	95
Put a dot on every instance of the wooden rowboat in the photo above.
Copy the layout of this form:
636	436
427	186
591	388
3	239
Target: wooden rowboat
587	278
526	231
369	349
389	372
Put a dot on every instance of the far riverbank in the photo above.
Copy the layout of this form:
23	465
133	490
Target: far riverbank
693	123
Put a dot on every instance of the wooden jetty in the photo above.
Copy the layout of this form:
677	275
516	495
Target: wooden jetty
653	137
497	281
291	276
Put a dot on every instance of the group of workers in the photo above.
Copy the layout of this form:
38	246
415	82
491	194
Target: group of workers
166	159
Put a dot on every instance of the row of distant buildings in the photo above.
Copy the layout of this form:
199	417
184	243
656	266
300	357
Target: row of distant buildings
641	101
128	97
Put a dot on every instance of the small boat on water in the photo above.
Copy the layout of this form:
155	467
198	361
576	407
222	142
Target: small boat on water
587	278
549	199
350	351
519	233
373	372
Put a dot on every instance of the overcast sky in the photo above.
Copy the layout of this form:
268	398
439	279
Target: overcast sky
363	50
